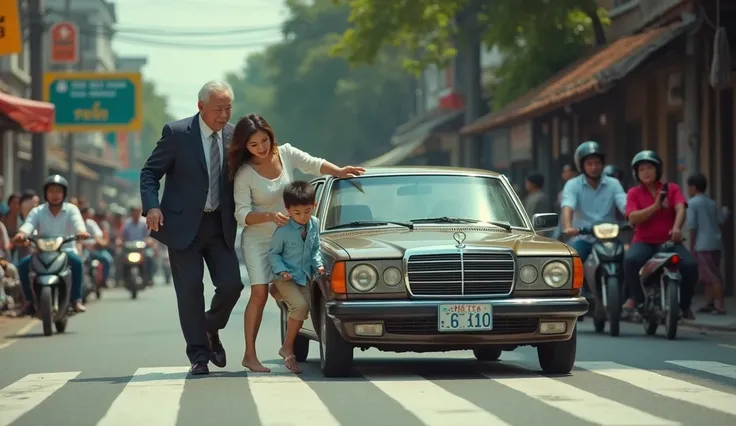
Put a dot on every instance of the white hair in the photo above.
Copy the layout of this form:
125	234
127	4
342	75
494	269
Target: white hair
214	86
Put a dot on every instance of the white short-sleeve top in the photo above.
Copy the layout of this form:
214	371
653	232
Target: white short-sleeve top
254	193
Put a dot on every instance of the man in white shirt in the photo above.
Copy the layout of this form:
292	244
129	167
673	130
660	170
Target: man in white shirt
55	217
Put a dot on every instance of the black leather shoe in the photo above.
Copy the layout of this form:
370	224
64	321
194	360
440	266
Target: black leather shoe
199	368
218	356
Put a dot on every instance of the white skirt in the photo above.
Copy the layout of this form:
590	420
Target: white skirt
255	253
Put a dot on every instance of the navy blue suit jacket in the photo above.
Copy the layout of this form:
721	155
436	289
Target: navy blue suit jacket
179	156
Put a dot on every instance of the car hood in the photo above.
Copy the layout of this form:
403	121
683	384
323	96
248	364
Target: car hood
393	243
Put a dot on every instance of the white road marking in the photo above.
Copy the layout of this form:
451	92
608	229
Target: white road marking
22	332
579	403
432	404
152	396
665	386
286	400
711	367
28	392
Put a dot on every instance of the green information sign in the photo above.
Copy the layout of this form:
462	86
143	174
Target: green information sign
95	102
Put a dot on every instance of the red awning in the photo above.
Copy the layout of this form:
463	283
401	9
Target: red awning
32	116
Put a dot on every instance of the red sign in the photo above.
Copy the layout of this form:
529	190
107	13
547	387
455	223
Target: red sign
64	43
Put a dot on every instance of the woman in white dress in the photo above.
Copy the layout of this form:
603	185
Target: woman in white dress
260	169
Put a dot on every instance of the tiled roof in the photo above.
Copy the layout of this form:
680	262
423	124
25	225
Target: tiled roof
583	79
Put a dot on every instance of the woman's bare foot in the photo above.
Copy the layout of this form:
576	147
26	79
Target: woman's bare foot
255	366
290	362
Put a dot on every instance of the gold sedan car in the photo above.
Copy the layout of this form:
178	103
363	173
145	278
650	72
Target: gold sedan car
438	259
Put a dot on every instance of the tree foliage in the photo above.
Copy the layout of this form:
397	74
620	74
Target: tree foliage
155	115
536	37
318	101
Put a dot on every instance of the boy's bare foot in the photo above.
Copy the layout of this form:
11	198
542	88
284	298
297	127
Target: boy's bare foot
255	366
290	362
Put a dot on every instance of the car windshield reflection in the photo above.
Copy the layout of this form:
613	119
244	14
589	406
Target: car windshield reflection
406	199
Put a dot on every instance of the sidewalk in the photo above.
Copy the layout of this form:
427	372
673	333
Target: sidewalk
713	322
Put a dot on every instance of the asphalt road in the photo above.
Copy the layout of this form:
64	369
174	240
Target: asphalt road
122	364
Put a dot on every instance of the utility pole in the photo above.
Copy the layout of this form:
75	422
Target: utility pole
38	140
71	155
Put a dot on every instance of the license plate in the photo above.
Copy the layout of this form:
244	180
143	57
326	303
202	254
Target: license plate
465	317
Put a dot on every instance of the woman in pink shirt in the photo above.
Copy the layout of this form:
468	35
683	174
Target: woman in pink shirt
657	211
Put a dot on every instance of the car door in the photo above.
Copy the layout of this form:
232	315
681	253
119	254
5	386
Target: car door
319	185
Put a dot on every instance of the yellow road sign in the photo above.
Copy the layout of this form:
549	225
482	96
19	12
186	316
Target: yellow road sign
11	39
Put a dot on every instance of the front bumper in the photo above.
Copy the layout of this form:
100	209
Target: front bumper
414	322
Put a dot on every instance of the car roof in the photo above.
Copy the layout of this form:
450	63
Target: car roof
424	170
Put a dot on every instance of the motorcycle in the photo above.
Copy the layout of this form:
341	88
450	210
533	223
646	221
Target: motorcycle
134	273
604	275
660	280
51	282
10	291
93	282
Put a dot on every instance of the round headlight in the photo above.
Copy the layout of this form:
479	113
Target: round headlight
555	274
363	277
392	276
528	274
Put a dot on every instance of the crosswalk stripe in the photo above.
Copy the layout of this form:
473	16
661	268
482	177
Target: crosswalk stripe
21	396
286	400
151	397
711	367
432	404
664	386
579	403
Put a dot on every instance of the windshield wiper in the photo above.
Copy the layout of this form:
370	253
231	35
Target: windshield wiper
448	219
358	223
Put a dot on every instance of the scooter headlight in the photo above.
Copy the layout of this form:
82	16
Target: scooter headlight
134	257
606	231
49	244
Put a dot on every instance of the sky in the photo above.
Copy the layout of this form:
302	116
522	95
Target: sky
189	42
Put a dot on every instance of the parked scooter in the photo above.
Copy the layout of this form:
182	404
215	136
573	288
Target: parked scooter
604	275
135	275
51	282
660	279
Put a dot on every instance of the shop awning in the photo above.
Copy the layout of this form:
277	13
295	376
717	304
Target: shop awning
424	126
59	164
411	136
584	79
396	155
31	116
97	161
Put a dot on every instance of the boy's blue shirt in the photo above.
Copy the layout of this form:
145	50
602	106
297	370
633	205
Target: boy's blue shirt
289	253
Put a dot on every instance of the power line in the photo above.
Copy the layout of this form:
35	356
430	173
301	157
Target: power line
178	3
200	33
185	45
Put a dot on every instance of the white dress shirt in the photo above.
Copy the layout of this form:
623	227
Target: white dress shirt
206	142
67	222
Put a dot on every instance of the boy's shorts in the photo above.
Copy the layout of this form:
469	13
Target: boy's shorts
296	298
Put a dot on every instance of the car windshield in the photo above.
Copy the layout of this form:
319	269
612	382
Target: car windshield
369	200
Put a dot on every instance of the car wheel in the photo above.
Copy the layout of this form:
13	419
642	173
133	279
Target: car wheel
335	354
301	344
487	354
558	357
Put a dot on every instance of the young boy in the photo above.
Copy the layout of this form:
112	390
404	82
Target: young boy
295	257
703	220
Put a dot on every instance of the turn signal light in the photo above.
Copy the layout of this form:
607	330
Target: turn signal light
338	282
675	259
577	273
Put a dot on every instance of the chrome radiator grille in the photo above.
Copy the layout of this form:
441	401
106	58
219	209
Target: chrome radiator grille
461	274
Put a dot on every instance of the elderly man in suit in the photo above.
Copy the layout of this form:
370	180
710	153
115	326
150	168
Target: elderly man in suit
195	219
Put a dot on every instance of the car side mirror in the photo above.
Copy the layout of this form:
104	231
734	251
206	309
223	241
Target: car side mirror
545	221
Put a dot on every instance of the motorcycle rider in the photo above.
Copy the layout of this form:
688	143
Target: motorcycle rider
98	243
658	217
135	229
589	197
614	172
55	217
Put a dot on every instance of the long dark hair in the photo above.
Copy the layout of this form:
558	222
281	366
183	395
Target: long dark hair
238	154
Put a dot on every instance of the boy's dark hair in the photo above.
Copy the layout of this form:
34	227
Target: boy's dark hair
536	179
699	181
299	193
